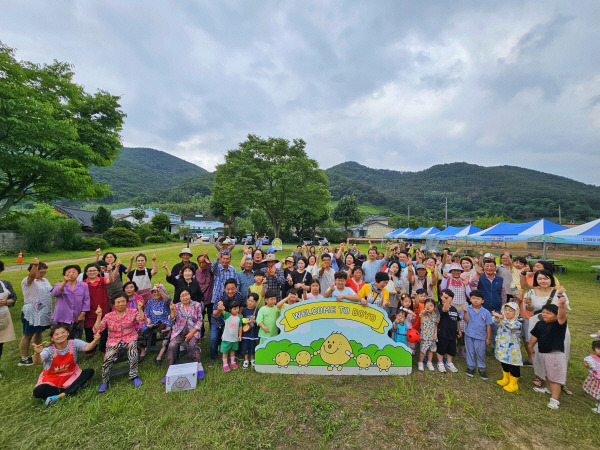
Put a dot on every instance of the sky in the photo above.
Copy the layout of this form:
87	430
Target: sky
390	84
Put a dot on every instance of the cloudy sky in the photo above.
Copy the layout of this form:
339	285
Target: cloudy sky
389	84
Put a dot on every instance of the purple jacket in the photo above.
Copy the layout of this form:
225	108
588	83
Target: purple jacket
70	302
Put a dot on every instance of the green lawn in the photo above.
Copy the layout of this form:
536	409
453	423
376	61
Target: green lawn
250	410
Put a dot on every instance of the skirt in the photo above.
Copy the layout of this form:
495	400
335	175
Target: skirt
7	330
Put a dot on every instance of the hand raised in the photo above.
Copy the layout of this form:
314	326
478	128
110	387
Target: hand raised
98	311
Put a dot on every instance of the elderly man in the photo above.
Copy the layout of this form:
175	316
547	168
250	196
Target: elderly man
206	281
274	277
185	256
245	277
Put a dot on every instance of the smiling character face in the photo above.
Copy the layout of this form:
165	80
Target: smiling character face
336	350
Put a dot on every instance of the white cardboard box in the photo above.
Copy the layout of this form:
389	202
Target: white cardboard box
182	377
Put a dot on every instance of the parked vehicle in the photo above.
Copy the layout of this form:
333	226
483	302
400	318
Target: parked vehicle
306	241
266	240
205	237
322	241
247	239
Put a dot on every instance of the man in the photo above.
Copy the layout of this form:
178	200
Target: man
229	294
297	254
373	265
493	288
509	274
222	272
206	280
326	273
274	278
406	270
246	277
185	256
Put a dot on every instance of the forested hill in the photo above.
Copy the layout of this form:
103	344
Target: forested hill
144	171
472	190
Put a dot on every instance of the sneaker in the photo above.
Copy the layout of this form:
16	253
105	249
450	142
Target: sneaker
226	368
252	362
542	390
102	389
420	366
527	363
212	362
137	382
234	365
451	367
596	409
553	403
51	399
430	366
441	367
26	362
246	364
483	375
470	372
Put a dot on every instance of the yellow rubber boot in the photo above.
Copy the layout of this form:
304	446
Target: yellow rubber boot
504	380
512	385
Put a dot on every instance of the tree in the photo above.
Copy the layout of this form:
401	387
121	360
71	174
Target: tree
273	175
52	132
138	213
347	211
102	220
160	222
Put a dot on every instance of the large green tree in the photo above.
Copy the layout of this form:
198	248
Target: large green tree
272	174
347	212
52	132
102	220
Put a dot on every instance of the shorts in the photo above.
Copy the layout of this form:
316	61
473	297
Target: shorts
426	346
226	346
553	366
248	346
446	346
30	329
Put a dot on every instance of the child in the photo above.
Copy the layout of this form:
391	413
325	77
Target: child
549	333
339	290
508	346
258	288
250	337
291	298
267	317
419	306
400	327
448	332
591	385
478	333
461	288
158	314
429	321
315	290
232	333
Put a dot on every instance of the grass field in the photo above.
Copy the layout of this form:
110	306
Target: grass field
244	409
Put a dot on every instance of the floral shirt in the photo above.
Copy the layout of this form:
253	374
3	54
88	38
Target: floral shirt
121	328
192	317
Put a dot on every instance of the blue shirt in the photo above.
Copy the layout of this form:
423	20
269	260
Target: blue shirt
157	311
400	333
478	322
345	291
247	313
371	268
221	276
245	280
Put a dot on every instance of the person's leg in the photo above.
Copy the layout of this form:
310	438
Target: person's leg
215	340
109	360
84	377
470	345
232	358
173	348
133	358
480	351
24	345
1	347
43	391
37	340
421	357
194	349
494	333
103	339
554	388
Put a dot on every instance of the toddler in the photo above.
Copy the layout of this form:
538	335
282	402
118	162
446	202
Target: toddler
591	385
508	346
478	333
400	327
429	321
258	288
250	337
232	332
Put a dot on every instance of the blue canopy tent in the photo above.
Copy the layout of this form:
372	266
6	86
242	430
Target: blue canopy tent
398	233
417	232
424	233
447	233
457	233
588	234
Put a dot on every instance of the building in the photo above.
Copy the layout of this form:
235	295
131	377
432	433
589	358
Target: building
374	227
204	225
125	214
83	216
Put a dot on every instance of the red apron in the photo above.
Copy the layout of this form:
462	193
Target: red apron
63	370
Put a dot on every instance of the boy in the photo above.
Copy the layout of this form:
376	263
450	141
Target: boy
549	334
339	290
400	328
292	298
267	317
419	306
478	333
232	332
258	288
249	338
448	332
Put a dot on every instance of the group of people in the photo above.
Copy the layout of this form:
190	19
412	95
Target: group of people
458	305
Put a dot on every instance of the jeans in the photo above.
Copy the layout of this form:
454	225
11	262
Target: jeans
215	340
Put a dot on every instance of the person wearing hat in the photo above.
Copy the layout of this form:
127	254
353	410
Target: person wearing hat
185	256
461	289
224	245
287	273
274	277
420	280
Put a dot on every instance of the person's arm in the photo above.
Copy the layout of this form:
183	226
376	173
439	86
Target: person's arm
98	251
488	341
111	274
503	295
446	306
92	345
532	341
33	272
214	266
562	308
436	330
219	310
240	326
434	276
353	297
329	291
140	316
154	270
129	267
466	314
173	309
411	275
281	302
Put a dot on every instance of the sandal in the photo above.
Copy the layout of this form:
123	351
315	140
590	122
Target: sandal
538	381
566	390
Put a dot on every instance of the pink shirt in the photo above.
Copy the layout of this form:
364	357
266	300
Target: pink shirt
121	328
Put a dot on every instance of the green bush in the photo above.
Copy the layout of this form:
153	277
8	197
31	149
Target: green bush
122	237
122	223
143	231
68	232
156	239
93	243
39	228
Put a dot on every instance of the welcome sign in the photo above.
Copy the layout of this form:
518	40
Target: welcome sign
333	338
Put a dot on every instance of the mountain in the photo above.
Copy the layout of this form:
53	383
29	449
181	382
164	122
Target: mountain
144	171
471	190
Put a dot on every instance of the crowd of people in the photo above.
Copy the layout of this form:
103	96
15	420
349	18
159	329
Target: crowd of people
437	302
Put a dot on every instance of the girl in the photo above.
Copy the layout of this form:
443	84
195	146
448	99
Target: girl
121	334
184	280
429	320
61	375
545	292
157	320
508	346
186	318
355	281
315	290
393	287
400	327
37	309
142	275
591	385
7	298
461	288
98	297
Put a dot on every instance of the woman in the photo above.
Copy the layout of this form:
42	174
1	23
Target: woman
142	276
7	298
347	264
527	276
393	287
98	297
37	309
355	281
545	292
61	375
301	278
116	287
468	269
257	259
185	280
186	318
313	268
121	324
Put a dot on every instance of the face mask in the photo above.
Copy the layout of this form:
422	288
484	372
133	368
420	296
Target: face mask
402	264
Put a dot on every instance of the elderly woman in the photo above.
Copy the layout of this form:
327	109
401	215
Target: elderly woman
186	319
121	324
7	298
72	300
184	280
37	309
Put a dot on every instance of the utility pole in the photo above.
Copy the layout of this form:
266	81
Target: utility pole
409	215
446	205
559	216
